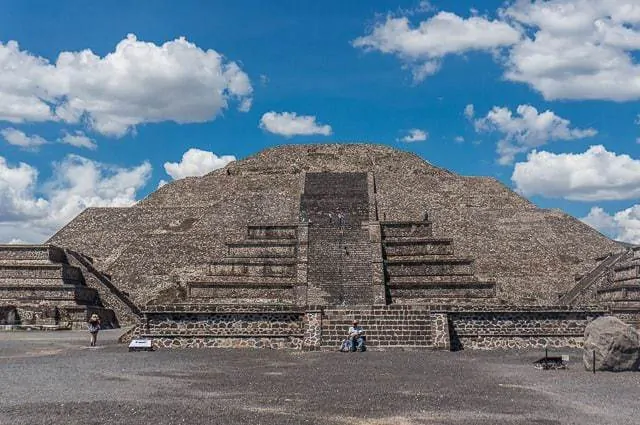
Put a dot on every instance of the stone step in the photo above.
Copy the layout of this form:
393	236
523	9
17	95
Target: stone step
272	231
80	294
255	261
434	280
417	247
434	258
627	272
39	282
426	296
247	302
25	262
620	292
374	339
401	229
253	270
416	322
429	267
241	280
625	265
267	248
272	294
242	284
239	266
42	271
372	325
377	310
441	287
35	253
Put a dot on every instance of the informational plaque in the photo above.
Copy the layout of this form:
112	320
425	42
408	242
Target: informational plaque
141	345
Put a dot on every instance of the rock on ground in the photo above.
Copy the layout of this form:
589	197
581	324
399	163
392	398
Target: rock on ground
616	345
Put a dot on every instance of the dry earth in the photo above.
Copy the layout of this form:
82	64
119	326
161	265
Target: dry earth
55	378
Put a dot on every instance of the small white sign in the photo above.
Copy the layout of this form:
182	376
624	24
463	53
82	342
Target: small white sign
565	357
140	344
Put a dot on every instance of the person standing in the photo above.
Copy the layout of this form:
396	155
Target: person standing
94	327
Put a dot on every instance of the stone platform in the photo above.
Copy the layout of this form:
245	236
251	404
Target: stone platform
40	289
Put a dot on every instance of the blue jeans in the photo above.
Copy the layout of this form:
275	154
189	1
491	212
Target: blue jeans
357	343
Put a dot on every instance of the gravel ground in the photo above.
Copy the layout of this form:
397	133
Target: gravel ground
55	378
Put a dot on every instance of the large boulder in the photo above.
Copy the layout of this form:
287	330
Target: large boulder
616	344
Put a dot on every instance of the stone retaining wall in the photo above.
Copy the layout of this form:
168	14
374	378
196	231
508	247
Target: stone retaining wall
436	327
222	327
518	329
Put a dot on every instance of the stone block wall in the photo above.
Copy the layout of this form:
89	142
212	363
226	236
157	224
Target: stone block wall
198	326
440	327
519	328
630	316
385	326
32	253
61	295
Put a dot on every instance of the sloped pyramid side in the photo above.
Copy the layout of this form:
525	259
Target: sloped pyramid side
154	247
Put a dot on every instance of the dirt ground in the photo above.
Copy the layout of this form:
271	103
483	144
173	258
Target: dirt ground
56	378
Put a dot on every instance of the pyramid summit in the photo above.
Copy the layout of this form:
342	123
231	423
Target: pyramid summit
327	228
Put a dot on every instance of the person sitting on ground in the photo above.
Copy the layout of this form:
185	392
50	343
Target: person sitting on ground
94	327
356	336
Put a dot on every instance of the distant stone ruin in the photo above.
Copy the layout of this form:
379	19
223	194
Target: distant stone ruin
285	248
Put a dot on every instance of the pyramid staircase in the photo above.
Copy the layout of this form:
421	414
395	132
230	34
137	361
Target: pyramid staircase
586	286
335	206
260	269
422	269
45	290
623	294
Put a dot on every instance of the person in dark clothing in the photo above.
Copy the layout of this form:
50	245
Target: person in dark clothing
94	327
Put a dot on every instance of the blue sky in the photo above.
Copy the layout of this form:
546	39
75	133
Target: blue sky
541	95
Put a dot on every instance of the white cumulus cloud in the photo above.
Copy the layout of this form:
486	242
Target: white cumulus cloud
139	82
79	140
595	175
564	49
530	129
196	162
622	226
32	212
18	138
423	46
577	49
469	111
289	124
415	135
17	192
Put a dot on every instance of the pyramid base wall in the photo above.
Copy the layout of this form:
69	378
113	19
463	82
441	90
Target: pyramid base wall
389	327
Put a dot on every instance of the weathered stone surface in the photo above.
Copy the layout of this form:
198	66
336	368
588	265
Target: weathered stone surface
40	287
173	235
616	345
8	315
